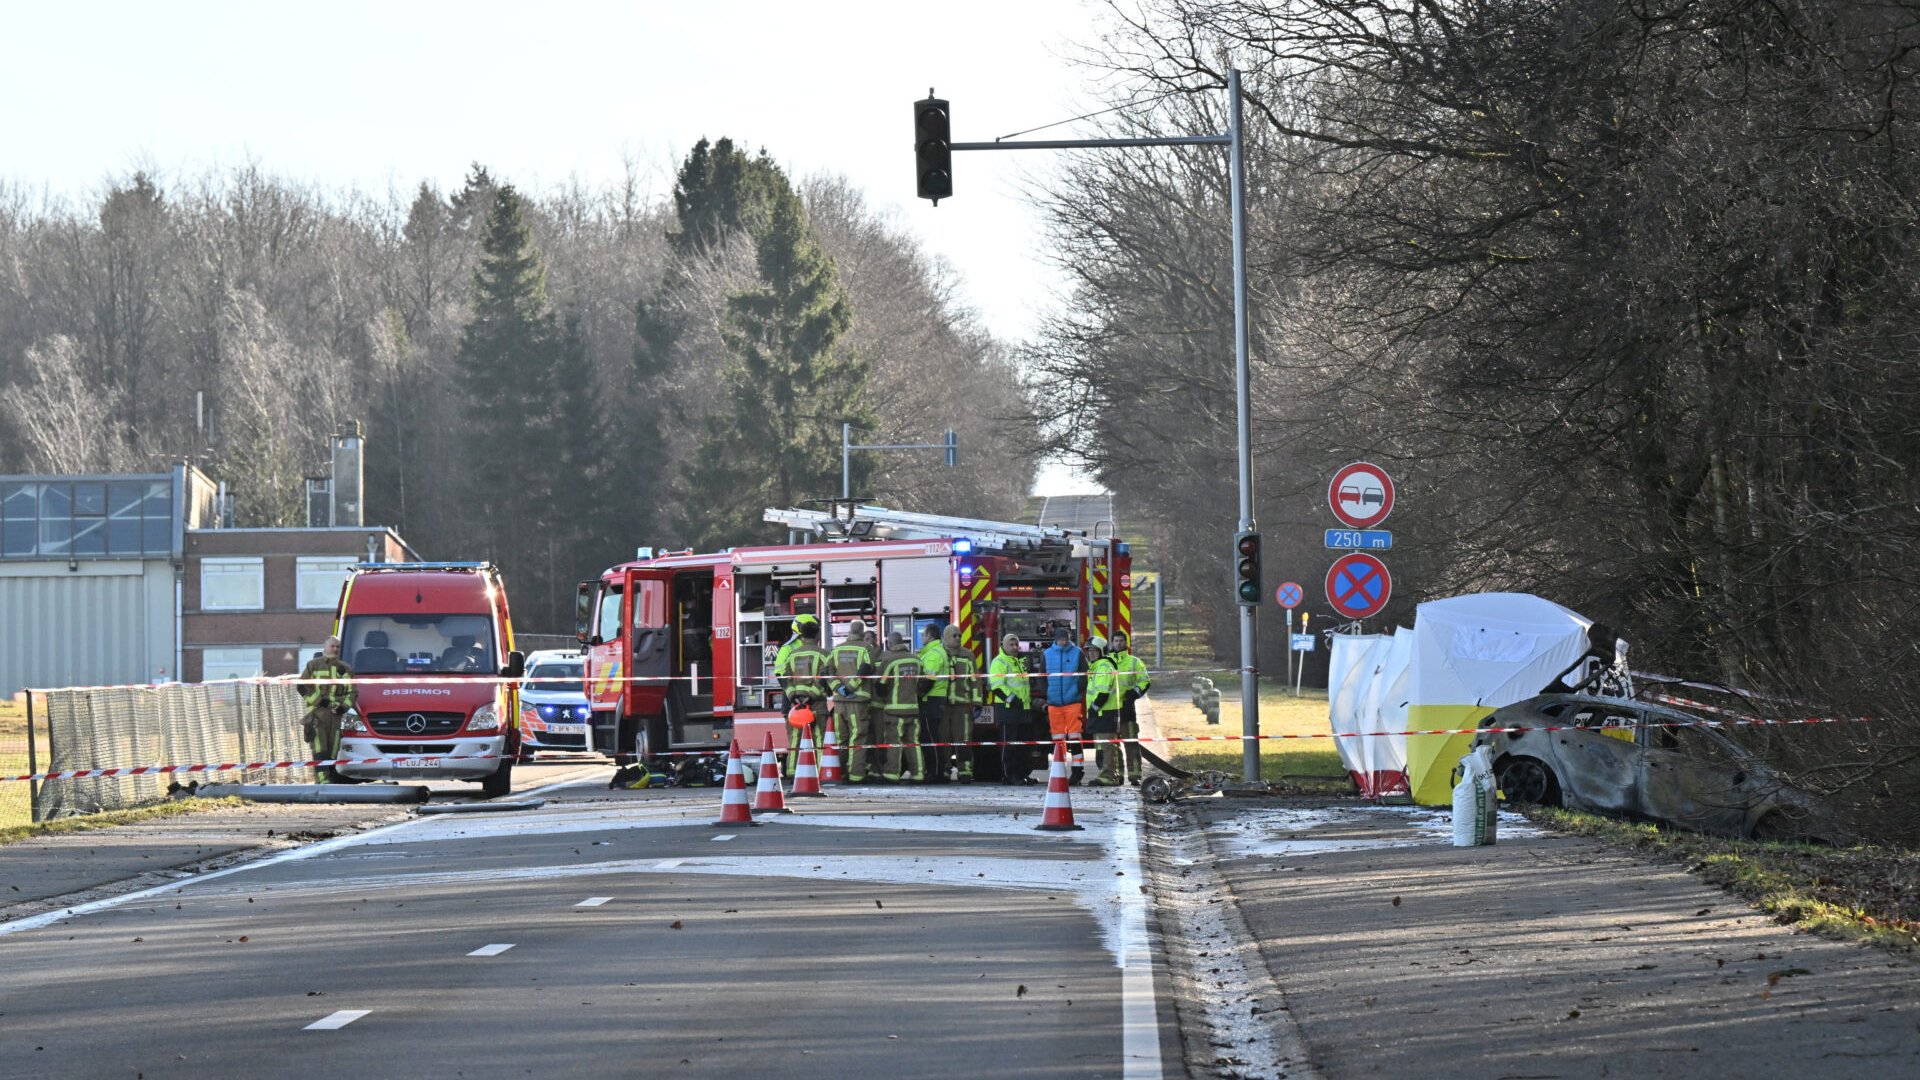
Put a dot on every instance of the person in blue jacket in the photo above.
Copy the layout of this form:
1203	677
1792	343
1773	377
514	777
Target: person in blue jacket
1065	687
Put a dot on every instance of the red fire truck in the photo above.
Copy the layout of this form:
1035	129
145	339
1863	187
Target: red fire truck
680	645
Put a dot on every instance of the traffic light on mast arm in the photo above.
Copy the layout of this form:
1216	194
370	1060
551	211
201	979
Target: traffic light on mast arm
933	147
1246	568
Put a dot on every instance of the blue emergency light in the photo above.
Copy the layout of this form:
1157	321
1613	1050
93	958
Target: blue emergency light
963	546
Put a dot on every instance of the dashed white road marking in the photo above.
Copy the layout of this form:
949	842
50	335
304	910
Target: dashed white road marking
667	864
593	901
724	836
490	950
336	1021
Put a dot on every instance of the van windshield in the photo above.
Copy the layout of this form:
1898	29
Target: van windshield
418	645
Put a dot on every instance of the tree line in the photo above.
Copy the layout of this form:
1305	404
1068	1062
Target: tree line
547	380
1621	291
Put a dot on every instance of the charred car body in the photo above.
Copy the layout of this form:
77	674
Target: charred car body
1645	761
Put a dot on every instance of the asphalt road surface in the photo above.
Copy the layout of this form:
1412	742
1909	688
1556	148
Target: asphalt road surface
883	932
1081	512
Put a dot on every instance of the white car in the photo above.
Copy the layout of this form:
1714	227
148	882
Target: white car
554	713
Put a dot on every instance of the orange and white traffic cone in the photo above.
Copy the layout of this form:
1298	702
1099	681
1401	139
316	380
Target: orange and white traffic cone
733	798
830	770
1058	814
806	775
768	798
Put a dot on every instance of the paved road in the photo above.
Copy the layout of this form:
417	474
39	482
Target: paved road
1083	512
67	868
1543	956
897	931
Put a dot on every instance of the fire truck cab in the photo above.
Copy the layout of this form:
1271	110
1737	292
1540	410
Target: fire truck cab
680	646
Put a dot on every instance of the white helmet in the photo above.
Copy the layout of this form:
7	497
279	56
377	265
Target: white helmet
1098	643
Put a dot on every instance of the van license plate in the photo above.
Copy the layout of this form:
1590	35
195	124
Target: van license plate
567	729
414	762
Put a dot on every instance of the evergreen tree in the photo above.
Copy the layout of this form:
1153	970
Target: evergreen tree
788	383
513	424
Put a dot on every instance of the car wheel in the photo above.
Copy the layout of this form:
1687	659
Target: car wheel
1527	782
500	782
1156	788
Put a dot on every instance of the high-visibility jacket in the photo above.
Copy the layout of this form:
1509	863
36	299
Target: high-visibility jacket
1133	674
900	683
1102	677
935	664
1066	681
806	667
850	664
1007	677
966	689
338	696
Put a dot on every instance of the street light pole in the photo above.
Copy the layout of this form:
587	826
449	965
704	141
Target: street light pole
1234	142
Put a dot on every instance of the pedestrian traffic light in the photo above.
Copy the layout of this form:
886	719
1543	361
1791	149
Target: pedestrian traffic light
1246	565
933	147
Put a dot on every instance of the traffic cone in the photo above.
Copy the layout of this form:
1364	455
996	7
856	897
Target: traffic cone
806	775
1058	813
768	798
733	798
830	770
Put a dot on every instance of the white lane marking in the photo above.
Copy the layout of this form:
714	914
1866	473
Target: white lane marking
336	1021
490	950
724	836
593	901
1139	1011
667	864
379	834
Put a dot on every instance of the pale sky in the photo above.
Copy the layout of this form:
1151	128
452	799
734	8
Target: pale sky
385	95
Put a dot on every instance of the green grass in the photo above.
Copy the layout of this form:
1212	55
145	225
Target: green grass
13	833
1848	893
1310	764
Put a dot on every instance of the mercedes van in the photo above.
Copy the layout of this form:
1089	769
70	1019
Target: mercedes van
429	645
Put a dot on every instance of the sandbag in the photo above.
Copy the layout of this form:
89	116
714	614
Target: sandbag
1476	809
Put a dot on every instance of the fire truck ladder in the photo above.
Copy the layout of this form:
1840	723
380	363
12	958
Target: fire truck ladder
879	523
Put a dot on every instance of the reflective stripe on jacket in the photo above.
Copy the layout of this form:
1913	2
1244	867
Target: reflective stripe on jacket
1008	674
900	683
1102	692
851	663
935	665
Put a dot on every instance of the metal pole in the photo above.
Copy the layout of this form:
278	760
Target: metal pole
1159	623
33	766
1249	614
846	460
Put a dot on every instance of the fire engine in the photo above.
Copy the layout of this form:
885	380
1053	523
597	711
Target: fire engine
680	645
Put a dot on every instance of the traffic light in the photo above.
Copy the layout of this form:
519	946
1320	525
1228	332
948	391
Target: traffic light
1246	568
933	147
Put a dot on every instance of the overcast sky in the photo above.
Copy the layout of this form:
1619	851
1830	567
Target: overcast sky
380	95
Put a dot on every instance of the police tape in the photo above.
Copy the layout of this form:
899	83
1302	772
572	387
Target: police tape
429	761
391	678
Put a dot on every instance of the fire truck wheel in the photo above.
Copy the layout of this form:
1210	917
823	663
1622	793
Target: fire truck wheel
500	782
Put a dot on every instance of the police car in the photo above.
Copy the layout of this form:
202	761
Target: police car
553	703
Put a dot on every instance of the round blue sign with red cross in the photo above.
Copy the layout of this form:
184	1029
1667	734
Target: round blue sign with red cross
1289	594
1358	585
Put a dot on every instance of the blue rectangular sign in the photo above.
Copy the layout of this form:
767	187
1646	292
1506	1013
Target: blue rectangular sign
1301	643
1359	539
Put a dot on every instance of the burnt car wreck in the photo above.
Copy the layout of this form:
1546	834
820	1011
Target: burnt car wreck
1647	762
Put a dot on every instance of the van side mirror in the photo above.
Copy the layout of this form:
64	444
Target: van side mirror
516	665
583	604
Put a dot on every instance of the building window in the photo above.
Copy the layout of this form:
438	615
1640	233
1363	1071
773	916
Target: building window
91	518
320	579
231	585
229	664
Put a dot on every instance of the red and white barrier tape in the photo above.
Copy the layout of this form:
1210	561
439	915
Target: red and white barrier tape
1749	721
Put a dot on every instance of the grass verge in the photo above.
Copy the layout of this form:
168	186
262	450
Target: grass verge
14	833
1858	894
1313	766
